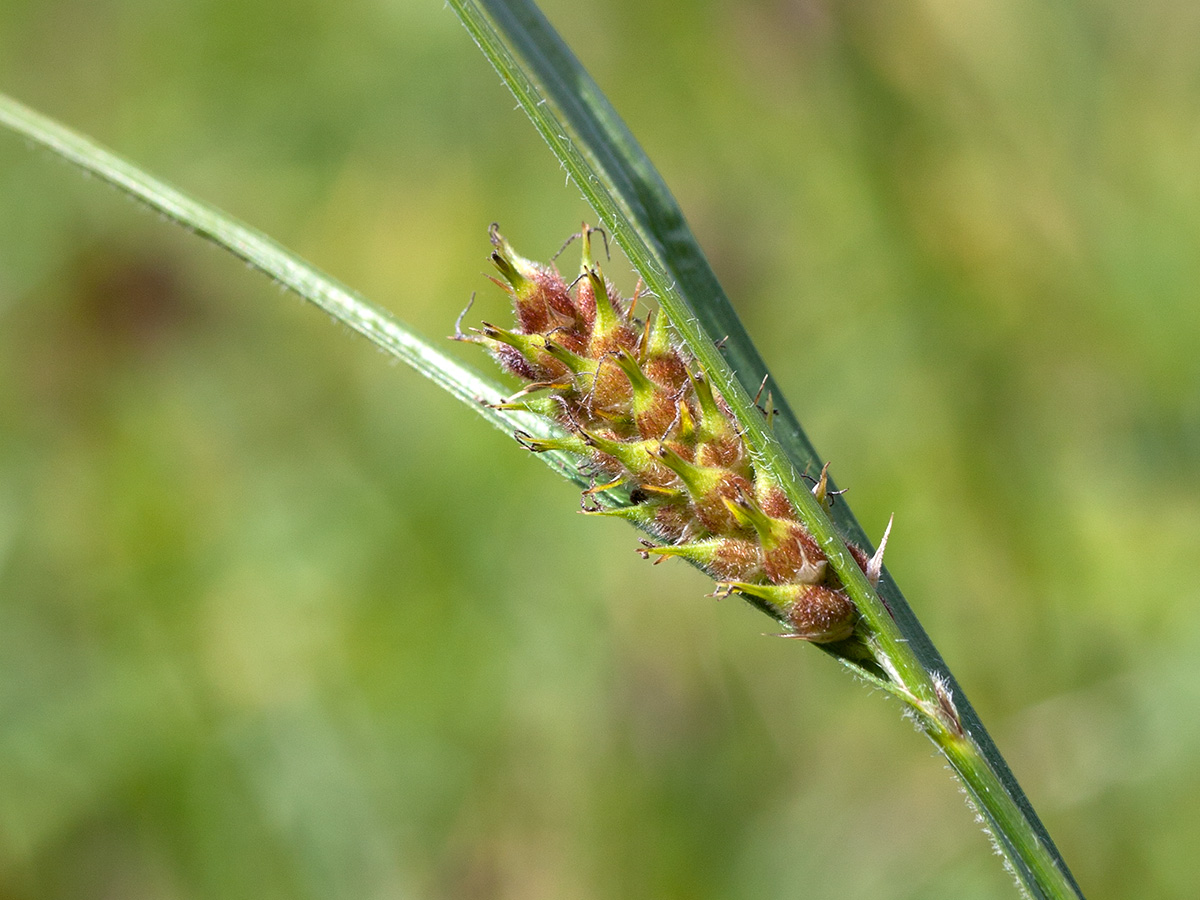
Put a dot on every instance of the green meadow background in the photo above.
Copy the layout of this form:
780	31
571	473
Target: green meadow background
278	619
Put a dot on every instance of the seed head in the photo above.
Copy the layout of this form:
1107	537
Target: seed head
636	411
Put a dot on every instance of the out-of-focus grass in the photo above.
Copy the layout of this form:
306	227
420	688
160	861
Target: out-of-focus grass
278	619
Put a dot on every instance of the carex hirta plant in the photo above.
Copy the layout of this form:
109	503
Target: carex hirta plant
657	405
640	415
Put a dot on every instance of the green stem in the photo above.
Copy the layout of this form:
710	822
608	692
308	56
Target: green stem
1007	818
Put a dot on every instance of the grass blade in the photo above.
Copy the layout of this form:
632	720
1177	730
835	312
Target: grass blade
289	270
633	202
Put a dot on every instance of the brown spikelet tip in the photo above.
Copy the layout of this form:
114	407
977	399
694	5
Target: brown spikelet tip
822	614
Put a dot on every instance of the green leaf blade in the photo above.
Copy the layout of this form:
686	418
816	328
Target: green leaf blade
477	391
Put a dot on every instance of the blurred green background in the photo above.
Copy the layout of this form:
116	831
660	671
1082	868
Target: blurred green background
279	619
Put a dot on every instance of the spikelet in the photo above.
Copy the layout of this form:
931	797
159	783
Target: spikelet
635	406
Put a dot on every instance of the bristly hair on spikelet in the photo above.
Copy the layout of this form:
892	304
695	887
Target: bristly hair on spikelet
638	412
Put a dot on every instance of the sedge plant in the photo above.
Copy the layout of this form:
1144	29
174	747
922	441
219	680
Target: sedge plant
664	414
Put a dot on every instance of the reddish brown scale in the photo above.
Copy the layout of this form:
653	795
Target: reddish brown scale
655	474
585	302
511	360
773	501
542	366
624	310
735	559
667	370
607	466
619	338
571	338
672	522
727	452
796	558
557	299
860	556
533	314
711	509
548	369
822	613
657	419
565	329
610	394
685	450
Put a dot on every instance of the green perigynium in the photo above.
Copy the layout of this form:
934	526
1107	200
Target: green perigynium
638	413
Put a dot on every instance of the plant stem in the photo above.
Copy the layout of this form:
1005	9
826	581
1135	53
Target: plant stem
983	782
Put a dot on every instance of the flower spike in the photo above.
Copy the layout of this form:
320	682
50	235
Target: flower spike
635	410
